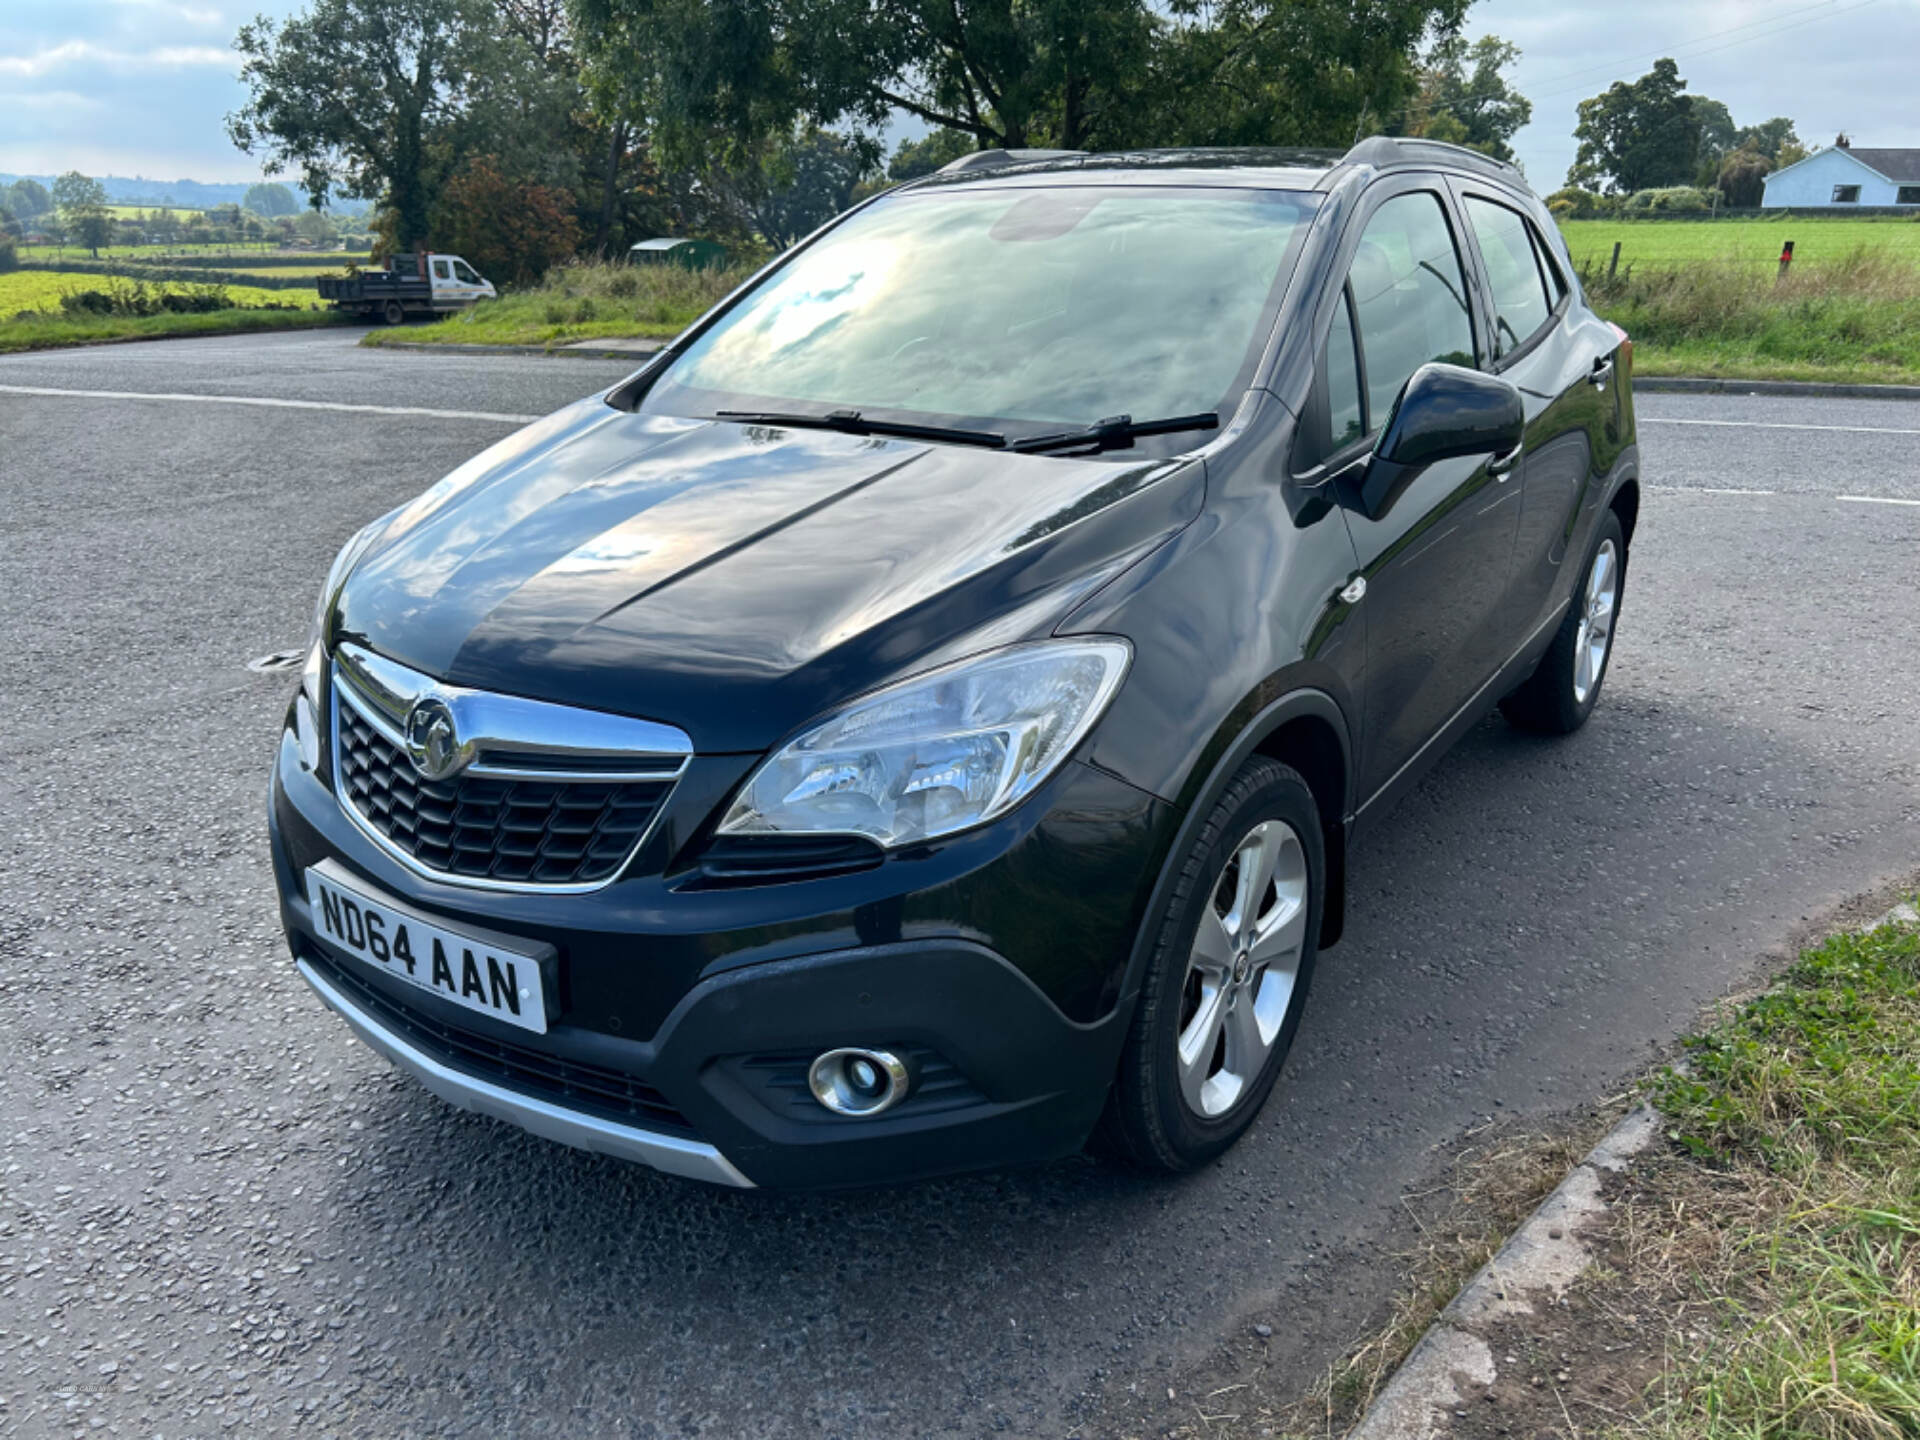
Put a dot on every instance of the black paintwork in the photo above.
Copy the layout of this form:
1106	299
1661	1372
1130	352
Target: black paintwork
737	580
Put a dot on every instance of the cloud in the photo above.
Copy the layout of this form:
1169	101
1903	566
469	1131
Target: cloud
85	52
192	14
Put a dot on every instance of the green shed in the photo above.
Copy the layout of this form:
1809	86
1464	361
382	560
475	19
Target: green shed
688	254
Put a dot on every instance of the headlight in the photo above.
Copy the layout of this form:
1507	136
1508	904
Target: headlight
936	753
342	567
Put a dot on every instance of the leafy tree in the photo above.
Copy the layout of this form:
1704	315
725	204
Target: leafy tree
82	203
312	225
1289	72
352	92
270	199
914	158
507	229
1639	136
1773	139
1466	99
1719	137
1742	178
28	198
822	170
724	78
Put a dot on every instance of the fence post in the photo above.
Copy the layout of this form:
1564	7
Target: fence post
1786	261
1614	264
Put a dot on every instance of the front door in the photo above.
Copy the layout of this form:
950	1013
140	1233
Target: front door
1435	557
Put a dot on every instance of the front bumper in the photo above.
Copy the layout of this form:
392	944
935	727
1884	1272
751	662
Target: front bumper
686	1021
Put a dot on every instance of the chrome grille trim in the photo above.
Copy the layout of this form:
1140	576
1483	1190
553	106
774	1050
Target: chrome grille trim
555	745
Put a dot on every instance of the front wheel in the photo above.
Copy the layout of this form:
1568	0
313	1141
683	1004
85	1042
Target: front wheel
1228	977
1565	686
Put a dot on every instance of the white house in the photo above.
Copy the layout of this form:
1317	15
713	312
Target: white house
1846	176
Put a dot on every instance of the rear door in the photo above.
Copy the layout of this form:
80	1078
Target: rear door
1560	357
1435	560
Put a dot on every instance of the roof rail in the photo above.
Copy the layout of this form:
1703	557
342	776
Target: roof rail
991	159
1383	150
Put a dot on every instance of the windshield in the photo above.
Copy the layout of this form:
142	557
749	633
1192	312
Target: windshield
1057	305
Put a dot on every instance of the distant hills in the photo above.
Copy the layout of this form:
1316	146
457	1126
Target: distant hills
188	194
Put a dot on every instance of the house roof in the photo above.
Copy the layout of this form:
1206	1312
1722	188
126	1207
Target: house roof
1900	166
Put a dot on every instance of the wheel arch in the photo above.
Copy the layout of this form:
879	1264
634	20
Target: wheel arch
1306	729
1625	502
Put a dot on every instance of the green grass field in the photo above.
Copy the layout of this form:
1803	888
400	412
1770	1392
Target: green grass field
146	252
42	289
45	331
134	212
1672	244
580	302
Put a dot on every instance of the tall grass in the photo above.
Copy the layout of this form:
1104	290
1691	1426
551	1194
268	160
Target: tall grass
1858	314
584	300
1793	1245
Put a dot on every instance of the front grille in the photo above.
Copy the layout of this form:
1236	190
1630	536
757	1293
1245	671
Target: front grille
478	827
594	1089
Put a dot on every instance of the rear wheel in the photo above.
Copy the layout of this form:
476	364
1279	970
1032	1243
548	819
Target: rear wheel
394	312
1563	689
1228	978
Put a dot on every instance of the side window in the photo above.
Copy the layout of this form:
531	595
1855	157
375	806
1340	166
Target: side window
1342	368
465	275
441	271
1409	298
1520	303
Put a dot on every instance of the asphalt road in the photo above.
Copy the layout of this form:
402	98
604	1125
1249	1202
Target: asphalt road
218	1214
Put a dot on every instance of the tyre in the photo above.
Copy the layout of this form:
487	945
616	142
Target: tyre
394	312
1563	689
1227	980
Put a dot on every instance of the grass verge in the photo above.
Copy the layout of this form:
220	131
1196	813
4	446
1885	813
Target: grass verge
1782	1240
52	331
1854	321
580	302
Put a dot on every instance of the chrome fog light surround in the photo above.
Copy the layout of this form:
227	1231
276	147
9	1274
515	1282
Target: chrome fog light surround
859	1082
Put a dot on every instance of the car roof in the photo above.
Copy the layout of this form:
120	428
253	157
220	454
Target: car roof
1276	168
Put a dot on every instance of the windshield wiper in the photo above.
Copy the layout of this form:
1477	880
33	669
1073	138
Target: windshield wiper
1116	432
852	422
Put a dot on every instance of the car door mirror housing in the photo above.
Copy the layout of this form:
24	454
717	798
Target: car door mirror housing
1444	413
1448	411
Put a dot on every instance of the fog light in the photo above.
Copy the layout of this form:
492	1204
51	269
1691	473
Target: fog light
859	1082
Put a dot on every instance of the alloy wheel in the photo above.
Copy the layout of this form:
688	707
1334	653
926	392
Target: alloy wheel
1242	969
1595	633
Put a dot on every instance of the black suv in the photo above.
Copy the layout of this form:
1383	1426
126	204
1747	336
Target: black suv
919	720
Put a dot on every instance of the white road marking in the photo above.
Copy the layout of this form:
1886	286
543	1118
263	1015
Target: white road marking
1875	500
1777	425
1707	490
273	404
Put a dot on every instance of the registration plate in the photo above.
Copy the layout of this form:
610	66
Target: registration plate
473	971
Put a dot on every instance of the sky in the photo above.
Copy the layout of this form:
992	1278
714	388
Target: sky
140	87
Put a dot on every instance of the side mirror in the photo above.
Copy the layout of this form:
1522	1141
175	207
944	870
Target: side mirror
1445	412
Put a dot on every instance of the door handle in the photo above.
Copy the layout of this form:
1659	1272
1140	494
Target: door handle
1501	466
1601	373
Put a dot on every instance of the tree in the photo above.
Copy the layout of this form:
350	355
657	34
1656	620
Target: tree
28	198
1742	178
270	199
82	203
1465	99
352	93
822	170
1772	138
1640	136
1719	137
728	78
938	148
507	229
